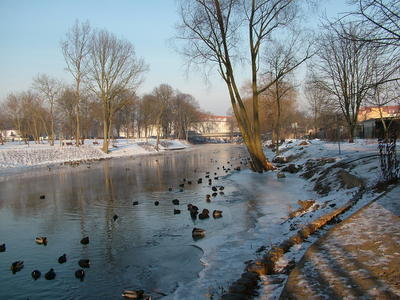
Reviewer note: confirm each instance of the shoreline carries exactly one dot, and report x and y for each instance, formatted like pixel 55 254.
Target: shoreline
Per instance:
pixel 265 277
pixel 95 157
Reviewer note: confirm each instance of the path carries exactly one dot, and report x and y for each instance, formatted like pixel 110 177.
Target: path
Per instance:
pixel 357 259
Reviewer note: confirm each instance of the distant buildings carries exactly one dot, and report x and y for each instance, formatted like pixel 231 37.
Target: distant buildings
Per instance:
pixel 214 128
pixel 373 119
pixel 10 135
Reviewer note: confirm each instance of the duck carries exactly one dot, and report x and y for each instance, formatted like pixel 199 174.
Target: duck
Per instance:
pixel 189 182
pixel 192 207
pixel 175 202
pixel 85 240
pixel 17 266
pixel 182 185
pixel 50 275
pixel 214 194
pixel 41 240
pixel 115 217
pixel 200 180
pixel 198 232
pixel 42 196
pixel 139 294
pixel 177 211
pixel 84 263
pixel 221 188
pixel 204 214
pixel 36 274
pixel 217 214
pixel 170 189
pixel 135 203
pixel 2 247
pixel 156 203
pixel 80 274
pixel 62 259
pixel 214 188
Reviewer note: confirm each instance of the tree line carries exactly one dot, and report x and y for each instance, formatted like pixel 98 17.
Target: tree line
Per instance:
pixel 352 61
pixel 102 99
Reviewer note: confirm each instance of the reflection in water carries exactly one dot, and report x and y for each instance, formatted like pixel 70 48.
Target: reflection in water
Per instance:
pixel 147 246
pixel 143 248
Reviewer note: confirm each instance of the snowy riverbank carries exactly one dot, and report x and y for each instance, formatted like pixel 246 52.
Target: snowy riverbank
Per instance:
pixel 334 181
pixel 20 155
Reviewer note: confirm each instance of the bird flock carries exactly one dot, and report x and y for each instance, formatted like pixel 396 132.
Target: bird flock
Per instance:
pixel 18 265
pixel 194 211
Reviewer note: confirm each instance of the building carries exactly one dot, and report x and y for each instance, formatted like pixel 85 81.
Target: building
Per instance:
pixel 10 135
pixel 212 128
pixel 373 119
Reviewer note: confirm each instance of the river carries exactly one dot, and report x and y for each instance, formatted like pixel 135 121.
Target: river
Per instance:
pixel 148 246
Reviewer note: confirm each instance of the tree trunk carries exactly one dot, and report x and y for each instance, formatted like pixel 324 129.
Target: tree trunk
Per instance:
pixel 78 99
pixel 351 133
pixel 52 124
pixel 105 128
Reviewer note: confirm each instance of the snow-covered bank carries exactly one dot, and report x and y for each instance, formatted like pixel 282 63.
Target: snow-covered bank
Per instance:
pixel 18 155
pixel 337 178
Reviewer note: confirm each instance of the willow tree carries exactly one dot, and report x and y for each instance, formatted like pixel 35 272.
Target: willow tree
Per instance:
pixel 213 31
pixel 113 70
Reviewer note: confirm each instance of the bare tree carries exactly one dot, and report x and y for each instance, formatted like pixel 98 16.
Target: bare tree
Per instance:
pixel 13 109
pixel 186 113
pixel 346 67
pixel 50 89
pixel 113 69
pixel 211 30
pixel 280 60
pixel 164 95
pixel 75 49
pixel 381 20
pixel 318 101
pixel 67 111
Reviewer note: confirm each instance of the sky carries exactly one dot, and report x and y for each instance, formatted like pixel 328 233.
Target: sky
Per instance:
pixel 31 32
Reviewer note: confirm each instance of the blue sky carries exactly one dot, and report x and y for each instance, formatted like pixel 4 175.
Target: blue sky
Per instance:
pixel 31 31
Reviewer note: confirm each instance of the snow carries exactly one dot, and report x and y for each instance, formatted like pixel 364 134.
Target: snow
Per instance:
pixel 19 155
pixel 361 162
pixel 225 253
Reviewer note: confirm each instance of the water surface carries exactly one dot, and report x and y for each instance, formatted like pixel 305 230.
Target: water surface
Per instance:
pixel 147 247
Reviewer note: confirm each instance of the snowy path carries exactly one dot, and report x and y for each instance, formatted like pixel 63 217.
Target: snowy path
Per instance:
pixel 358 259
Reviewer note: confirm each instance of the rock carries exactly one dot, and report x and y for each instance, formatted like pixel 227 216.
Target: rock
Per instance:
pixel 291 169
pixel 322 189
pixel 349 181
pixel 280 160
pixel 280 175
pixel 251 276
